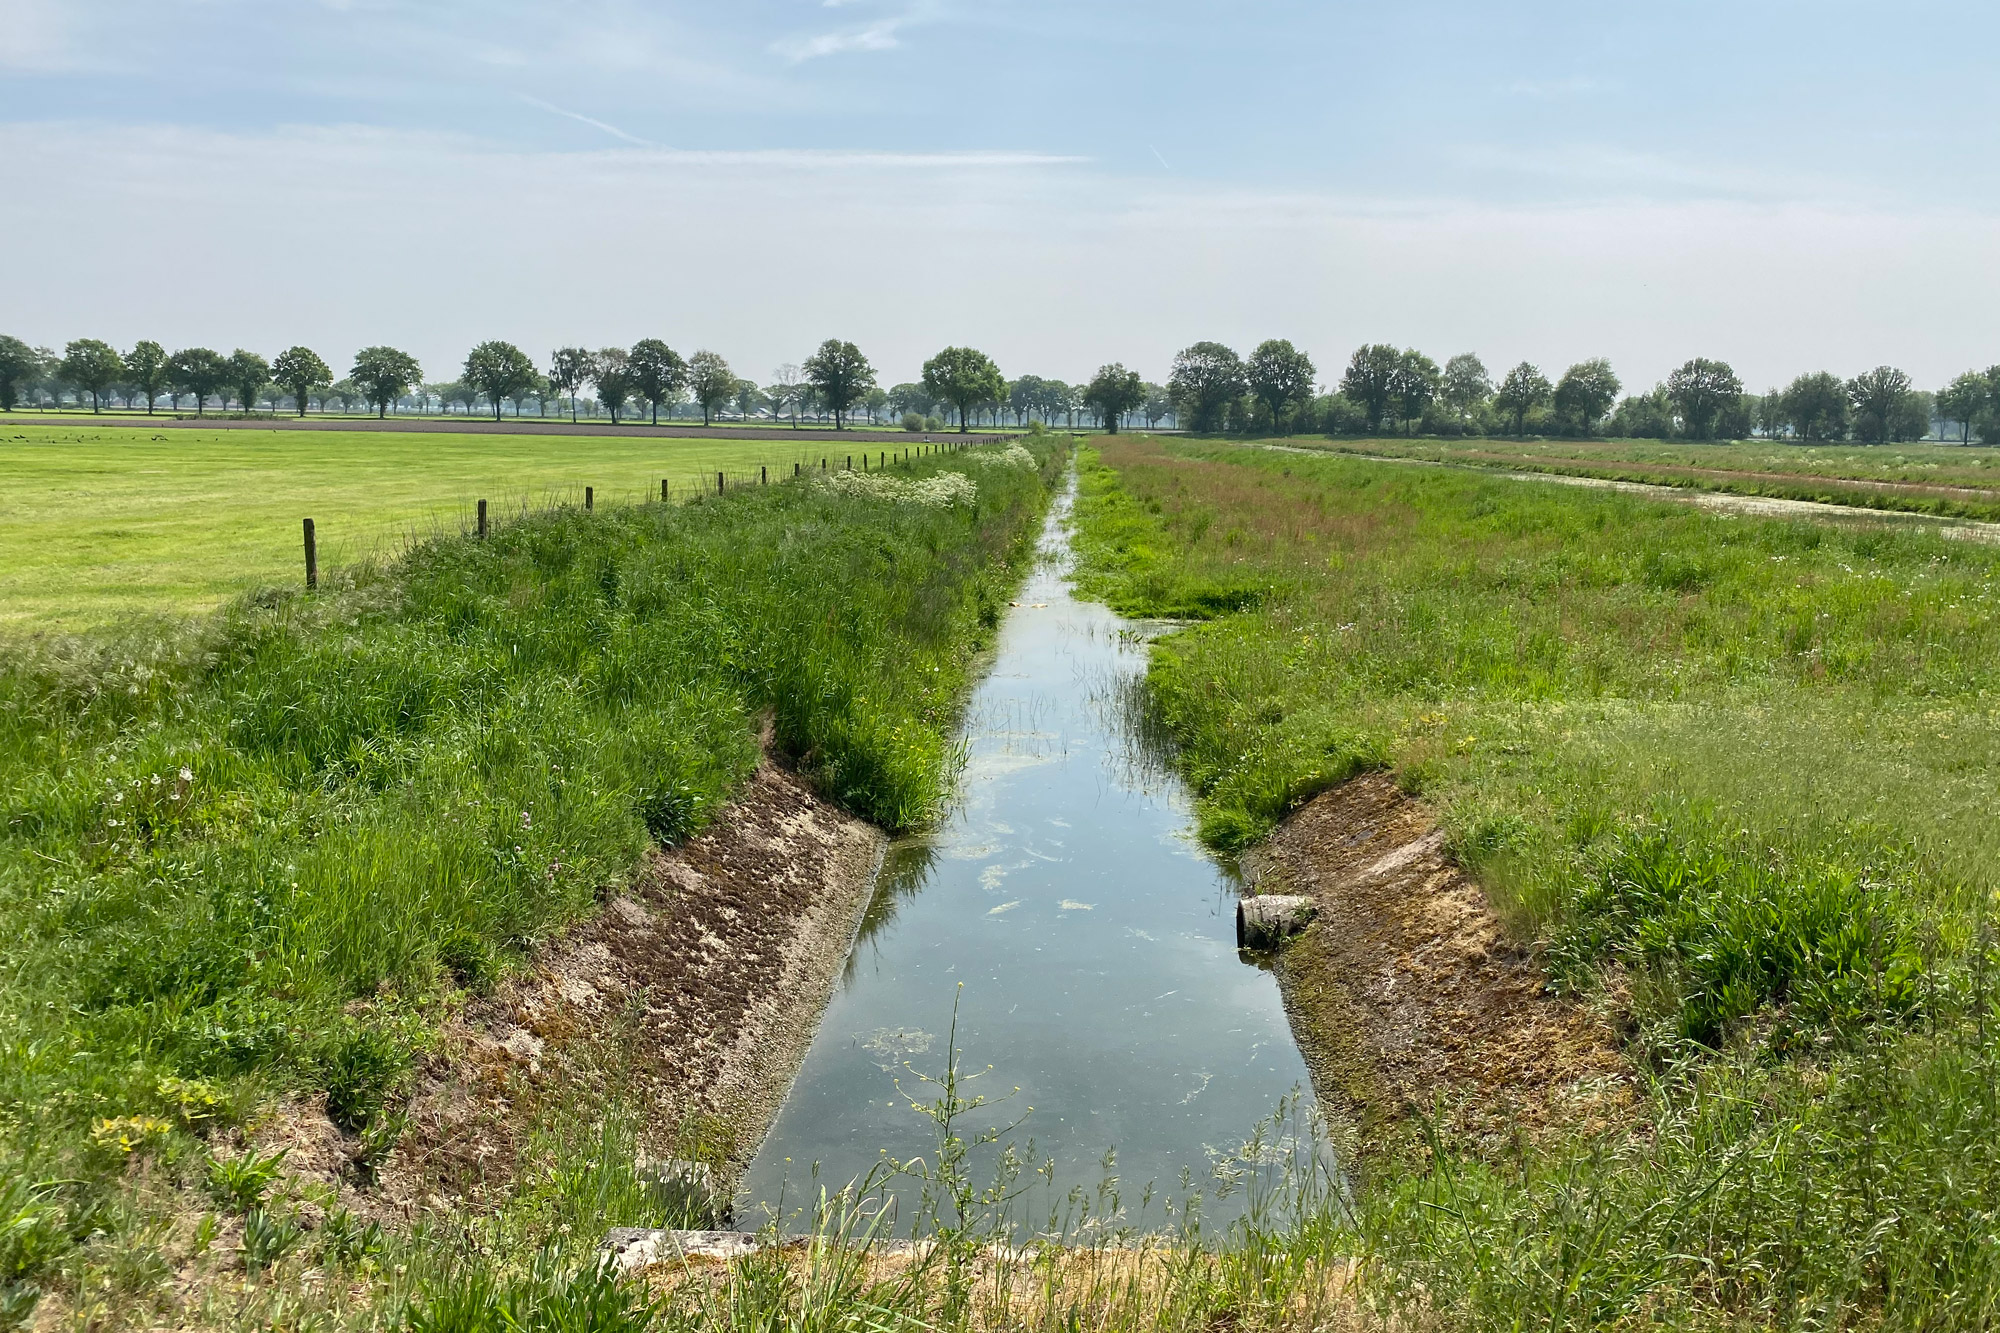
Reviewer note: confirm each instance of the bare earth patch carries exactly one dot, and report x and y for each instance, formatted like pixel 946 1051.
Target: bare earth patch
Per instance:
pixel 703 982
pixel 1405 993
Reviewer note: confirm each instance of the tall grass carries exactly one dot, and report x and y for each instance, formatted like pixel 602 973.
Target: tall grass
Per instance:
pixel 259 855
pixel 1733 776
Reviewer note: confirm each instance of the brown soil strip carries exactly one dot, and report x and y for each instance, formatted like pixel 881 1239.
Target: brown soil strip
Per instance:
pixel 1617 469
pixel 1406 996
pixel 506 426
pixel 691 996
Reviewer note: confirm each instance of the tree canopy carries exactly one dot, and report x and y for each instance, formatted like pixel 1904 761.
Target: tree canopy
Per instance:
pixel 1524 390
pixel 301 371
pixel 146 368
pixel 1282 377
pixel 1370 380
pixel 1814 407
pixel 1699 392
pixel 657 373
pixel 248 374
pixel 712 382
pixel 384 374
pixel 200 371
pixel 1880 399
pixel 569 370
pixel 499 370
pixel 92 366
pixel 966 378
pixel 1207 381
pixel 841 376
pixel 1113 392
pixel 1414 384
pixel 1585 393
pixel 611 372
pixel 18 363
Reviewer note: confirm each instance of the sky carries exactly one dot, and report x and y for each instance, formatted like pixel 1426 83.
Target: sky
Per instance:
pixel 1789 185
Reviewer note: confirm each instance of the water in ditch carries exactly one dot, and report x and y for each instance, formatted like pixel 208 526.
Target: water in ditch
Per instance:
pixel 1088 943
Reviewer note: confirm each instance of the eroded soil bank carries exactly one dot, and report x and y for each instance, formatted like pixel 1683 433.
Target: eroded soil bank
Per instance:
pixel 1405 994
pixel 690 998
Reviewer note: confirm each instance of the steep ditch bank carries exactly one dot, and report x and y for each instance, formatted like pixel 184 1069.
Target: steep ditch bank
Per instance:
pixel 708 975
pixel 1405 995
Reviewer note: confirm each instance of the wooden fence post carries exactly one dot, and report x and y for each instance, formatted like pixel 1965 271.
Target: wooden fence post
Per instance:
pixel 589 499
pixel 663 490
pixel 312 558
pixel 763 476
pixel 482 520
pixel 718 483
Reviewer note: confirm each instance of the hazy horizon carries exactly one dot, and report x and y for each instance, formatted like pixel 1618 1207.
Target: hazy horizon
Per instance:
pixel 1786 187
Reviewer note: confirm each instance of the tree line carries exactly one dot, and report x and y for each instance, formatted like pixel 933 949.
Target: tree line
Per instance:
pixel 836 384
pixel 1274 390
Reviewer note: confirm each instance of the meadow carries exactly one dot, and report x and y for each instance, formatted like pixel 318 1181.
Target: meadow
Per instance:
pixel 266 853
pixel 1947 480
pixel 1731 777
pixel 101 524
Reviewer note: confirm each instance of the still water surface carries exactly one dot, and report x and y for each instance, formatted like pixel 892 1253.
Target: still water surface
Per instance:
pixel 1093 940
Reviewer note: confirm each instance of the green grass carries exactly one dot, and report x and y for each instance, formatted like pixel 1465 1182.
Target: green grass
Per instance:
pixel 261 853
pixel 1732 776
pixel 1946 480
pixel 99 524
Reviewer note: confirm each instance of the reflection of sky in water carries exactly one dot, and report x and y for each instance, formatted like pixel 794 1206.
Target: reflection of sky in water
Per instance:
pixel 1095 944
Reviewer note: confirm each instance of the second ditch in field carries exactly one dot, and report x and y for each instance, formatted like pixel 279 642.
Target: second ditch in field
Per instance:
pixel 1094 939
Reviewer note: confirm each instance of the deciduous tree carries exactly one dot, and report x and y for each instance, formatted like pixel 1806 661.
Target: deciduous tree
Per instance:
pixel 1282 377
pixel 384 373
pixel 658 373
pixel 499 370
pixel 1466 387
pixel 1699 391
pixel 1113 392
pixel 1585 393
pixel 965 378
pixel 711 381
pixel 146 367
pixel 199 371
pixel 842 377
pixel 1370 380
pixel 1965 400
pixel 1414 385
pixel 1207 380
pixel 1524 390
pixel 1815 407
pixel 19 363
pixel 787 391
pixel 1879 398
pixel 611 372
pixel 301 371
pixel 569 370
pixel 248 374
pixel 92 366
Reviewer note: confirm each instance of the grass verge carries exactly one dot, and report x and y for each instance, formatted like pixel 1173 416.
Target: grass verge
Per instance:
pixel 1733 776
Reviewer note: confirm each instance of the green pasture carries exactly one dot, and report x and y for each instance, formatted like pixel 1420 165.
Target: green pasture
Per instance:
pixel 101 524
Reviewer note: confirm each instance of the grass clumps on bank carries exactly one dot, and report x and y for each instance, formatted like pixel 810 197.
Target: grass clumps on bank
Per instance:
pixel 257 858
pixel 1732 776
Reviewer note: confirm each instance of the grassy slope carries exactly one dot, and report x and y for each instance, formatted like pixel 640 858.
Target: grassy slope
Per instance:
pixel 261 853
pixel 1736 774
pixel 99 524
pixel 1887 477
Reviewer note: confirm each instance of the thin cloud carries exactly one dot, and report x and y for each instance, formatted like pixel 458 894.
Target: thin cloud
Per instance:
pixel 591 121
pixel 877 36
